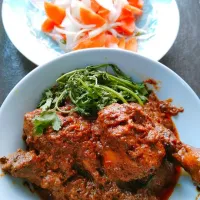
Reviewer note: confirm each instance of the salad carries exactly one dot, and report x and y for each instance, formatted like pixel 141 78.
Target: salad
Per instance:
pixel 80 24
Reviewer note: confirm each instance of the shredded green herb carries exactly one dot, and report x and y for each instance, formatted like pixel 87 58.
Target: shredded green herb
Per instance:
pixel 90 90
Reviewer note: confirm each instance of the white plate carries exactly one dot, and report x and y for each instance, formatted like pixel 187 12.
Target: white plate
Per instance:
pixel 22 21
pixel 26 94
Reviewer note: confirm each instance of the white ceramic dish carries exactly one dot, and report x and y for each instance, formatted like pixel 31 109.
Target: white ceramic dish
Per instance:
pixel 22 22
pixel 26 94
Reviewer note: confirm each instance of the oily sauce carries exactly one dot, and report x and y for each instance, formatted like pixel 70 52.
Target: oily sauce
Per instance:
pixel 44 194
pixel 153 107
pixel 167 192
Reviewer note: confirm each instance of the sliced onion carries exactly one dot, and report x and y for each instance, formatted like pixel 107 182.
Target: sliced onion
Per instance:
pixel 63 3
pixel 114 46
pixel 78 24
pixel 75 8
pixel 69 26
pixel 98 31
pixel 112 15
pixel 125 2
pixel 62 31
pixel 118 5
pixel 75 11
pixel 107 4
pixel 87 3
pixel 115 24
pixel 70 41
pixel 79 34
pixel 56 36
pixel 115 33
pixel 69 35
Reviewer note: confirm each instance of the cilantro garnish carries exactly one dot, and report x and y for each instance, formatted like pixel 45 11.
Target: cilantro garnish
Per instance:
pixel 44 120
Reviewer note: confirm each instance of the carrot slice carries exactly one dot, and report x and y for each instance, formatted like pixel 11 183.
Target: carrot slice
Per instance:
pixel 48 25
pixel 129 11
pixel 95 6
pixel 98 41
pixel 132 10
pixel 122 43
pixel 110 39
pixel 127 27
pixel 136 3
pixel 54 12
pixel 104 13
pixel 90 17
pixel 131 44
pixel 124 15
pixel 99 9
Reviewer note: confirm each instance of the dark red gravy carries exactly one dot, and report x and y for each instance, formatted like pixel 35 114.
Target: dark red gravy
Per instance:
pixel 166 191
pixel 165 194
pixel 152 82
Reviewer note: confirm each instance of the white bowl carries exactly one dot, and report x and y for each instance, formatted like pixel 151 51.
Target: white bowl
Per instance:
pixel 26 94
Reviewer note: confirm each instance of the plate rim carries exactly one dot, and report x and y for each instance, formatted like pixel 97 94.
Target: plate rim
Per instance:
pixel 31 58
pixel 177 30
pixel 3 16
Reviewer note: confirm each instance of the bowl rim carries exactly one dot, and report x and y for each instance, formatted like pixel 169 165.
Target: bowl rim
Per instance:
pixel 97 50
pixel 104 52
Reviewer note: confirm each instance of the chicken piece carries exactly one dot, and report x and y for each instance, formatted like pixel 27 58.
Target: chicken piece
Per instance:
pixel 74 130
pixel 134 144
pixel 165 177
pixel 83 189
pixel 36 168
pixel 189 158
pixel 88 160
pixel 127 154
pixel 25 165
pixel 76 138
